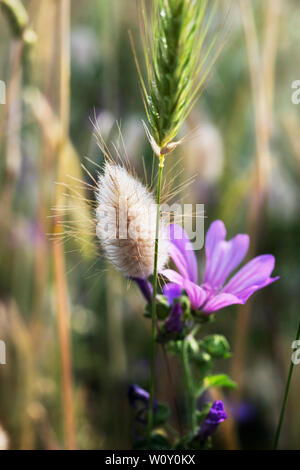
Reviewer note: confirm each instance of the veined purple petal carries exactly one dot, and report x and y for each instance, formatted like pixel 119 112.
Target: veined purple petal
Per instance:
pixel 253 276
pixel 172 291
pixel 173 276
pixel 217 302
pixel 196 294
pixel 231 254
pixel 223 256
pixel 215 234
pixel 182 253
pixel 246 293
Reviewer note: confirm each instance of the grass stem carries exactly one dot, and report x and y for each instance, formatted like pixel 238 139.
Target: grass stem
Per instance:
pixel 190 388
pixel 285 397
pixel 154 284
pixel 63 310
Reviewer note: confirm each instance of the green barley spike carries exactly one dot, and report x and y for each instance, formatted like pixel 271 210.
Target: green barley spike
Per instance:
pixel 178 57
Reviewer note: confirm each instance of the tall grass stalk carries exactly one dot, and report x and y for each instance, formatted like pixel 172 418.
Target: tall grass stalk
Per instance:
pixel 153 312
pixel 62 302
pixel 178 58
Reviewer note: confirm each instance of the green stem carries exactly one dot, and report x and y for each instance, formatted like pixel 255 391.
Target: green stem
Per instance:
pixel 190 387
pixel 286 392
pixel 154 284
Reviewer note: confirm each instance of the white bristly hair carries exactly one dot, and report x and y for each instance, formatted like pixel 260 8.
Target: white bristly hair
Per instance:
pixel 126 221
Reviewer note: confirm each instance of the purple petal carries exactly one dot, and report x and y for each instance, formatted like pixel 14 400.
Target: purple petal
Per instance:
pixel 217 302
pixel 182 253
pixel 215 234
pixel 173 276
pixel 174 323
pixel 222 256
pixel 137 394
pixel 253 276
pixel 172 291
pixel 196 294
pixel 145 287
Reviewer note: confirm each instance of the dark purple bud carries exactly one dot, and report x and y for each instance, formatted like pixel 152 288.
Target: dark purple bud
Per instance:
pixel 216 415
pixel 174 323
pixel 137 395
pixel 145 288
pixel 139 399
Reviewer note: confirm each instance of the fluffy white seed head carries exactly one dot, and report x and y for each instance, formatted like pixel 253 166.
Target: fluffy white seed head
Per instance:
pixel 126 221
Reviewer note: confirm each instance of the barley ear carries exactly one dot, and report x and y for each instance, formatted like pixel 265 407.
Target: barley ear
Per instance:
pixel 179 51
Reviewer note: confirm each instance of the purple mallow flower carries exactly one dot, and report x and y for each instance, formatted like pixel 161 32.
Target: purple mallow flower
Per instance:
pixel 222 258
pixel 216 415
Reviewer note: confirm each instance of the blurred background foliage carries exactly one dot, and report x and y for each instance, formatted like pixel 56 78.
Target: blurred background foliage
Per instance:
pixel 245 156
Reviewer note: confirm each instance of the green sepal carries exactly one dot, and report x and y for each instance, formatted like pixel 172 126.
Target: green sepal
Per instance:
pixel 164 337
pixel 201 415
pixel 185 305
pixel 162 414
pixel 216 346
pixel 202 318
pixel 162 307
pixel 202 358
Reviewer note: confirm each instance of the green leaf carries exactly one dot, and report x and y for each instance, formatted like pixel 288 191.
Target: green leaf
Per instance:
pixel 220 380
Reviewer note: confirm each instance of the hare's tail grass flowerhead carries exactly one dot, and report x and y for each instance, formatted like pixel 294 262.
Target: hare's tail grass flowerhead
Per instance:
pixel 179 51
pixel 126 222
